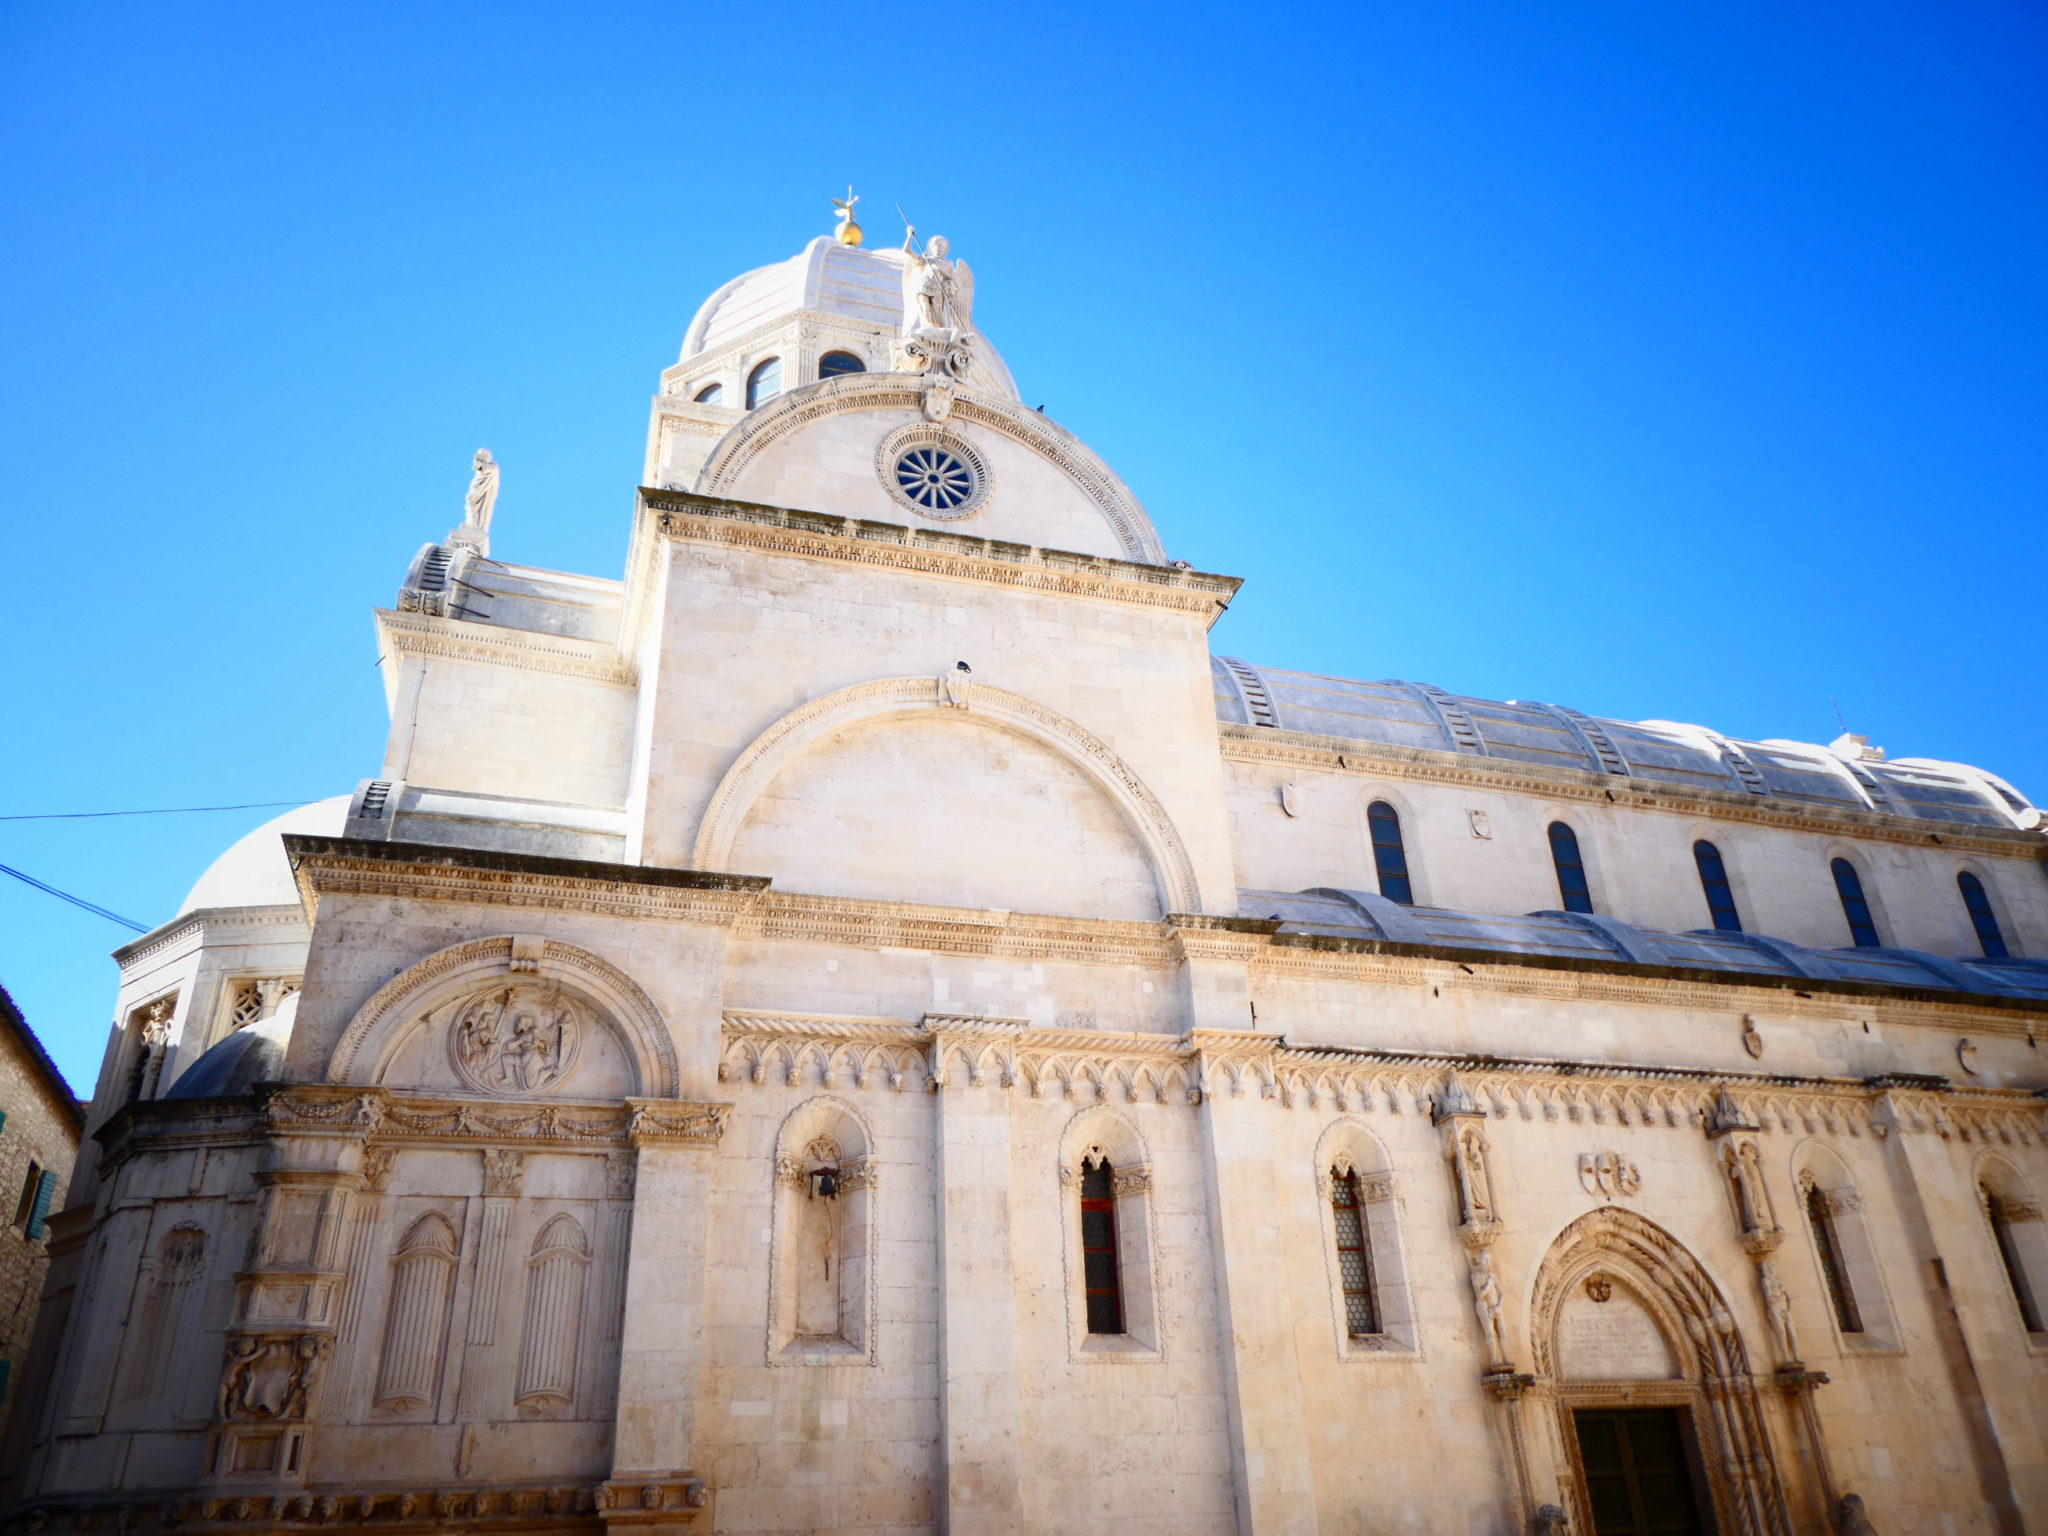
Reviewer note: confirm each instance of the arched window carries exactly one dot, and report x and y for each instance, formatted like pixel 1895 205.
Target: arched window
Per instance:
pixel 1354 1255
pixel 1827 1243
pixel 1714 881
pixel 764 383
pixel 2001 1214
pixel 1571 869
pixel 1978 901
pixel 711 394
pixel 832 364
pixel 1855 905
pixel 1389 858
pixel 1101 1265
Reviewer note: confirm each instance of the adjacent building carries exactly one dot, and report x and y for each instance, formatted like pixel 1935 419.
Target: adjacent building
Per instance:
pixel 40 1122
pixel 866 1023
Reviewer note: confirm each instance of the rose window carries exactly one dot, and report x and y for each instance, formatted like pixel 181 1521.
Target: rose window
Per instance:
pixel 935 478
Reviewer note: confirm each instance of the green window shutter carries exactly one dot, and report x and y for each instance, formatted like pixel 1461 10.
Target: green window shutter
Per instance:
pixel 3 1126
pixel 38 1225
pixel 6 1370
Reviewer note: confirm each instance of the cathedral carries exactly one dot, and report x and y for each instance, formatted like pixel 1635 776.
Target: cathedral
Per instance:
pixel 866 1024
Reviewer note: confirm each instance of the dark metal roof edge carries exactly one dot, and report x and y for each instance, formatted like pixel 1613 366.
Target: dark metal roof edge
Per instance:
pixel 1809 985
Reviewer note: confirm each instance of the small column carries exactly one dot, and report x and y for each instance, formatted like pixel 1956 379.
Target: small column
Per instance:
pixel 652 1487
pixel 980 1466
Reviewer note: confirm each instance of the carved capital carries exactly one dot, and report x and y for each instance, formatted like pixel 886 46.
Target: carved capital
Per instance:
pixel 270 1375
pixel 504 1169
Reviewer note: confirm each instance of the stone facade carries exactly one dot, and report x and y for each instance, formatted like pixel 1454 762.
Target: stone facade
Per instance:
pixel 866 1025
pixel 39 1128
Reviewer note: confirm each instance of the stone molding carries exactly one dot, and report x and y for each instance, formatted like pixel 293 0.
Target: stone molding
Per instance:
pixel 811 724
pixel 1381 760
pixel 189 927
pixel 418 634
pixel 387 1119
pixel 872 392
pixel 402 1004
pixel 938 552
pixel 795 1049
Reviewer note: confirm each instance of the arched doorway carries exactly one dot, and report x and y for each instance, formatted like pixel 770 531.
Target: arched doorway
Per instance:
pixel 1657 1428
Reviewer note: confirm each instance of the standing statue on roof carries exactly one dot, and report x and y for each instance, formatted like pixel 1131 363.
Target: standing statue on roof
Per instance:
pixel 938 293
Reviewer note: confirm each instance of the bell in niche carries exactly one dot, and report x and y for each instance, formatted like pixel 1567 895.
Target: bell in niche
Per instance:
pixel 828 1182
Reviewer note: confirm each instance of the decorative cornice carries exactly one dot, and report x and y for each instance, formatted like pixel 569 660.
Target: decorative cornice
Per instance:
pixel 419 634
pixel 797 1050
pixel 396 1119
pixel 430 872
pixel 1385 760
pixel 682 515
pixel 187 926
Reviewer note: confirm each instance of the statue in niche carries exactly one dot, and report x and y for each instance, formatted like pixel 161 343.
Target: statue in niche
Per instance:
pixel 1475 1182
pixel 514 1041
pixel 1778 1308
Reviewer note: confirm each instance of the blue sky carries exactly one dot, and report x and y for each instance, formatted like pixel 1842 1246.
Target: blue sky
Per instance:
pixel 1683 361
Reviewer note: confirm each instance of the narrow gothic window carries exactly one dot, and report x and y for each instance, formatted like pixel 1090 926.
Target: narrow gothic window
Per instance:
pixel 832 364
pixel 1982 918
pixel 1820 1215
pixel 1354 1256
pixel 1714 881
pixel 2009 1253
pixel 1855 905
pixel 1099 1259
pixel 711 394
pixel 1571 869
pixel 764 383
pixel 1389 858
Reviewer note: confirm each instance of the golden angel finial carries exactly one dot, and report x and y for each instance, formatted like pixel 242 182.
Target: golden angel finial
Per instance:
pixel 849 231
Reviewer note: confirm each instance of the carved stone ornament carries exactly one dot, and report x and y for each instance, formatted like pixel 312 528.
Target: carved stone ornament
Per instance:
pixel 933 471
pixel 271 1375
pixel 504 1167
pixel 1966 1056
pixel 1609 1174
pixel 514 1041
pixel 1752 1040
pixel 1599 1288
pixel 377 1163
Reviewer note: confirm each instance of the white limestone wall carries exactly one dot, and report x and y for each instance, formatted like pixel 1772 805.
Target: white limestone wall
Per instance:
pixel 749 637
pixel 502 730
pixel 1639 860
pixel 828 465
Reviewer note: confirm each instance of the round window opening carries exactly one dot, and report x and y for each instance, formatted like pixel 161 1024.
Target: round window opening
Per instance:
pixel 935 478
pixel 933 473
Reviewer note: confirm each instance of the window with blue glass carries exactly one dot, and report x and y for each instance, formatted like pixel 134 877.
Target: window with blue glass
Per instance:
pixel 764 383
pixel 832 364
pixel 711 394
pixel 1389 857
pixel 1714 881
pixel 1978 903
pixel 1855 905
pixel 1571 869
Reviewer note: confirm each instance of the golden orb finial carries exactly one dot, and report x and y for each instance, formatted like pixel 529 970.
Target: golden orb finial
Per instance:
pixel 849 231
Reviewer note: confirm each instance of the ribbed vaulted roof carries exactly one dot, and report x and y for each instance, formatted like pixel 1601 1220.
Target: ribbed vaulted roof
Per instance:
pixel 1368 915
pixel 1550 735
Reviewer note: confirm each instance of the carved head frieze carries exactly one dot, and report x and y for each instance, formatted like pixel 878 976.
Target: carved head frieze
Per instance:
pixel 512 1041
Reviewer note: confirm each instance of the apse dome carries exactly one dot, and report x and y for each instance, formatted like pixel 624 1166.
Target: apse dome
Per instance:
pixel 254 871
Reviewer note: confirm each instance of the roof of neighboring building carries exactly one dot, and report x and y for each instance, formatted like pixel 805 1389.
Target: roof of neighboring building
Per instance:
pixel 1368 915
pixel 13 1020
pixel 1550 735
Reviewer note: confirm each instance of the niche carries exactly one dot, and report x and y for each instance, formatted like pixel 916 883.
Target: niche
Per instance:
pixel 821 1290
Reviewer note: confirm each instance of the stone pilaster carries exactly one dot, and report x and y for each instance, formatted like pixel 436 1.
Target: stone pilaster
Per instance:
pixel 980 1467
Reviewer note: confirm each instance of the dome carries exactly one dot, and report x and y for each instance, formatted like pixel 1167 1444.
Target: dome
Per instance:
pixel 254 871
pixel 232 1067
pixel 857 284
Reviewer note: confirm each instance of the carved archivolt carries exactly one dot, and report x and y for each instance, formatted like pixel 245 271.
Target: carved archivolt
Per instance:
pixel 516 1010
pixel 742 445
pixel 800 730
pixel 1690 1311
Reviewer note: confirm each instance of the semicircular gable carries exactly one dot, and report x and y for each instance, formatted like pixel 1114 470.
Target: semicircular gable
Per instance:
pixel 510 1017
pixel 841 420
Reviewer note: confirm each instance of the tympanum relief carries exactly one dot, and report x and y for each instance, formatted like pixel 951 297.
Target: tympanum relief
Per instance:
pixel 513 1041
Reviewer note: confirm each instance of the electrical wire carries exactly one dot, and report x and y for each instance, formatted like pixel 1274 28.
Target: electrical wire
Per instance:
pixel 76 901
pixel 169 810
